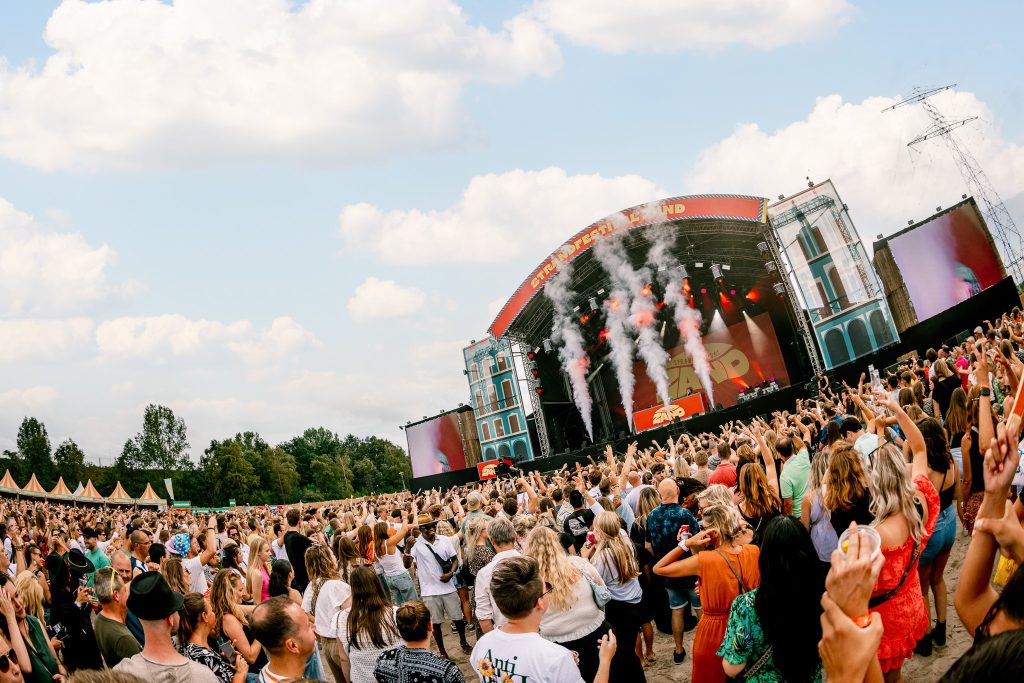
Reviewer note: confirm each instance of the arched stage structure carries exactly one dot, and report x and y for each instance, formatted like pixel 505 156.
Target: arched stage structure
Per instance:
pixel 752 334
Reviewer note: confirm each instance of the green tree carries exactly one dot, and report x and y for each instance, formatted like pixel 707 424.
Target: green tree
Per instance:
pixel 34 447
pixel 229 472
pixel 70 462
pixel 162 444
pixel 279 479
pixel 313 443
pixel 332 475
pixel 378 466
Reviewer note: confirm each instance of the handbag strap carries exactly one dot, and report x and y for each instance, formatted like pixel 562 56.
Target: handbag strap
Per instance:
pixel 440 563
pixel 759 664
pixel 738 575
pixel 316 594
pixel 887 595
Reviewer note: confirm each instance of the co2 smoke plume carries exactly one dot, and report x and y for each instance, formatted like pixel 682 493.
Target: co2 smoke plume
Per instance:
pixel 567 336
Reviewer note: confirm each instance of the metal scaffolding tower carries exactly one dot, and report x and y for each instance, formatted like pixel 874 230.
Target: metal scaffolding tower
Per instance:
pixel 978 184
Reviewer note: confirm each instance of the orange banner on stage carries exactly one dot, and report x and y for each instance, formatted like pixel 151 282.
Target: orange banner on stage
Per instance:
pixel 681 408
pixel 487 470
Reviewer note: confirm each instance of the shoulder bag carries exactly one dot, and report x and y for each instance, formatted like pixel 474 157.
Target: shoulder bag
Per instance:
pixel 445 565
pixel 600 591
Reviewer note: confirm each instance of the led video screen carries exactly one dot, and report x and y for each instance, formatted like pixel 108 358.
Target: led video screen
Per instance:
pixel 436 445
pixel 946 260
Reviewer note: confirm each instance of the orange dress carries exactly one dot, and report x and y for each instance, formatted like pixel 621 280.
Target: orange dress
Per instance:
pixel 718 588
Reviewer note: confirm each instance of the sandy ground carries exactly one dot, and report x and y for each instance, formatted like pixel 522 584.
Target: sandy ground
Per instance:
pixel 922 669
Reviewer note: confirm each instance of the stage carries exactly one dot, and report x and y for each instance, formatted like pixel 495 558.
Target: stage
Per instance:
pixel 988 305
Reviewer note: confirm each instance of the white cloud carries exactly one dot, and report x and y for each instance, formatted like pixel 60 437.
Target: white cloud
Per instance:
pixel 282 338
pixel 675 26
pixel 865 153
pixel 498 217
pixel 198 82
pixel 26 400
pixel 377 298
pixel 159 338
pixel 46 272
pixel 25 339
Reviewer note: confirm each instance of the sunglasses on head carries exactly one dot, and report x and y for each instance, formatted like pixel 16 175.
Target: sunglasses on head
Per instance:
pixel 7 659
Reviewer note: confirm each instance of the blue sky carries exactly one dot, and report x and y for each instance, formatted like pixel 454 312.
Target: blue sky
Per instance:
pixel 180 176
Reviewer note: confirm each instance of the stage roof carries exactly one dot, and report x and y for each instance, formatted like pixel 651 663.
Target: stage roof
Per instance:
pixel 722 229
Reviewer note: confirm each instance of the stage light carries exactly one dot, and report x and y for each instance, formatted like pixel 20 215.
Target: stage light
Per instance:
pixel 780 289
pixel 686 285
pixel 547 346
pixel 770 266
pixel 613 304
pixel 682 272
pixel 726 267
pixel 536 372
pixel 645 290
pixel 593 303
pixel 698 265
pixel 539 391
pixel 763 248
pixel 752 295
pixel 531 355
pixel 703 290
pixel 732 291
pixel 716 271
pixel 584 319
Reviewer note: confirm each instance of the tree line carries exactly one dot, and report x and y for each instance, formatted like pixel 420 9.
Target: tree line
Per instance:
pixel 316 465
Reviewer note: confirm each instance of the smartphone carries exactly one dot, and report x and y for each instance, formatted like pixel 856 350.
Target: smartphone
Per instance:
pixel 228 652
pixel 590 537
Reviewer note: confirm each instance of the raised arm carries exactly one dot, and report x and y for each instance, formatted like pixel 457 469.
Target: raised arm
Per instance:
pixel 918 449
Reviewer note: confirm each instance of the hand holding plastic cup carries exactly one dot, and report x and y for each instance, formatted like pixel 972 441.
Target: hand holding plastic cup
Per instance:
pixel 866 535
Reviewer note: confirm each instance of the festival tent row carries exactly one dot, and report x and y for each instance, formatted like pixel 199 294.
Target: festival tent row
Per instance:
pixel 86 493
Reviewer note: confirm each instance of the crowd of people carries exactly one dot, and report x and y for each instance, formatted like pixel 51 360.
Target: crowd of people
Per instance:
pixel 803 544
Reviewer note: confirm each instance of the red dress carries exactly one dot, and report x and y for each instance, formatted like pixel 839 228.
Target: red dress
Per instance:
pixel 904 615
pixel 718 588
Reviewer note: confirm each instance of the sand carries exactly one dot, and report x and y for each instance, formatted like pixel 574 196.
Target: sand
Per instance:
pixel 922 669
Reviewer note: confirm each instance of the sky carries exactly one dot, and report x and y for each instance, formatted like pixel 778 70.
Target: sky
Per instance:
pixel 274 215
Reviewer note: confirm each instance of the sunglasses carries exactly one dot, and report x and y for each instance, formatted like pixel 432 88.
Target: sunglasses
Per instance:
pixel 547 589
pixel 7 659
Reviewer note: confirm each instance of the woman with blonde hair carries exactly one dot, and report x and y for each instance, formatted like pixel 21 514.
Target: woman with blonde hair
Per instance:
pixel 615 560
pixel 258 576
pixel 325 596
pixel 905 505
pixel 956 426
pixel 573 618
pixel 31 593
pixel 176 575
pixel 716 494
pixel 727 567
pixel 226 600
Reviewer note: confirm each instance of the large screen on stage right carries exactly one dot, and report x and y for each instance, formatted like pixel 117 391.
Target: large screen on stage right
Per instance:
pixel 436 445
pixel 946 260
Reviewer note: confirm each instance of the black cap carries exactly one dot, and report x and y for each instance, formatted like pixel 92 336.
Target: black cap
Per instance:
pixel 151 599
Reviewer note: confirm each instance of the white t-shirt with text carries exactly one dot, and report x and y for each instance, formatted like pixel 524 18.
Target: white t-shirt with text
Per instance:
pixel 522 657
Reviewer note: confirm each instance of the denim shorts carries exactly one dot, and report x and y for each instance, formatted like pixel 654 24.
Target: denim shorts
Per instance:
pixel 943 536
pixel 679 597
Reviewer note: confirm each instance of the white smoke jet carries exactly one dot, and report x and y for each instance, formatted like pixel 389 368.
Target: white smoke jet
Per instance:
pixel 621 343
pixel 566 334
pixel 688 320
pixel 631 308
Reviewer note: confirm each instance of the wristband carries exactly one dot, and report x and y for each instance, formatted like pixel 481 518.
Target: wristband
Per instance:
pixel 682 545
pixel 862 621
